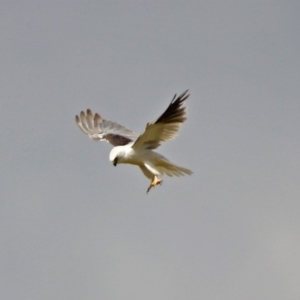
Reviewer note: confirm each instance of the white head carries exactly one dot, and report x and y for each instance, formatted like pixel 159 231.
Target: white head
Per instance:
pixel 116 154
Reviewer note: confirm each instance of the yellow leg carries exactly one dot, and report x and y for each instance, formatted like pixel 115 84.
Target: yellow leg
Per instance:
pixel 155 181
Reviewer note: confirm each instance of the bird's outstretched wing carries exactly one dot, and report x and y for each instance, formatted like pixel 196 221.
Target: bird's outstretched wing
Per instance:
pixel 103 130
pixel 165 127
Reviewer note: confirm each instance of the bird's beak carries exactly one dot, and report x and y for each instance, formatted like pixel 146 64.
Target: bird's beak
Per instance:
pixel 115 162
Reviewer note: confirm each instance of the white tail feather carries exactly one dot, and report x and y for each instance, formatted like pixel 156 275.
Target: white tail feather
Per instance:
pixel 163 166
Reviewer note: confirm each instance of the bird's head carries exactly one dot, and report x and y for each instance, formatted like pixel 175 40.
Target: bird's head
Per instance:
pixel 115 155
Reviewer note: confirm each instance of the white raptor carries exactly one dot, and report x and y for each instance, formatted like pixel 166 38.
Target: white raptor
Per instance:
pixel 135 149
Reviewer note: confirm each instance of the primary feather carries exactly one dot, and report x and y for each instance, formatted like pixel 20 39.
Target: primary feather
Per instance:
pixel 165 127
pixel 99 129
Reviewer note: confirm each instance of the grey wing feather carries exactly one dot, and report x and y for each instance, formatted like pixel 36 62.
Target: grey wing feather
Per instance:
pixel 166 126
pixel 103 130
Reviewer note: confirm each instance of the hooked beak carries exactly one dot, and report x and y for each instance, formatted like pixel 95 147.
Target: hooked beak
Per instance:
pixel 115 162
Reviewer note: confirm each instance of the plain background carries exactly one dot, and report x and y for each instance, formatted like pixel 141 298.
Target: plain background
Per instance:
pixel 74 227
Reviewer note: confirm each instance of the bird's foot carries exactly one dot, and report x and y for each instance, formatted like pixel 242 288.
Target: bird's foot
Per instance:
pixel 155 181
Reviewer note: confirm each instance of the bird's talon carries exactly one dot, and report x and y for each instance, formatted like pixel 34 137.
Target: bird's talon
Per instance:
pixel 153 183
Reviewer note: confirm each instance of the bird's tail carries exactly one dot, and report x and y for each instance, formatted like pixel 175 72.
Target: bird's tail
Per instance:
pixel 164 166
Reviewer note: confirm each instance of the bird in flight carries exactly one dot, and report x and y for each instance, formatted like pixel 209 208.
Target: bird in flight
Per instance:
pixel 135 149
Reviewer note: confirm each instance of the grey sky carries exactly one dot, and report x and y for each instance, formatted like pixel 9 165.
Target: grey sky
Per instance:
pixel 74 227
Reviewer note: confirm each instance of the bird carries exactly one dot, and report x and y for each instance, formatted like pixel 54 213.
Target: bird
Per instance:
pixel 137 149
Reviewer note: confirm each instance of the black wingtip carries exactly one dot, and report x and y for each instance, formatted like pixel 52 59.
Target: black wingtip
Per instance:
pixel 181 97
pixel 175 112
